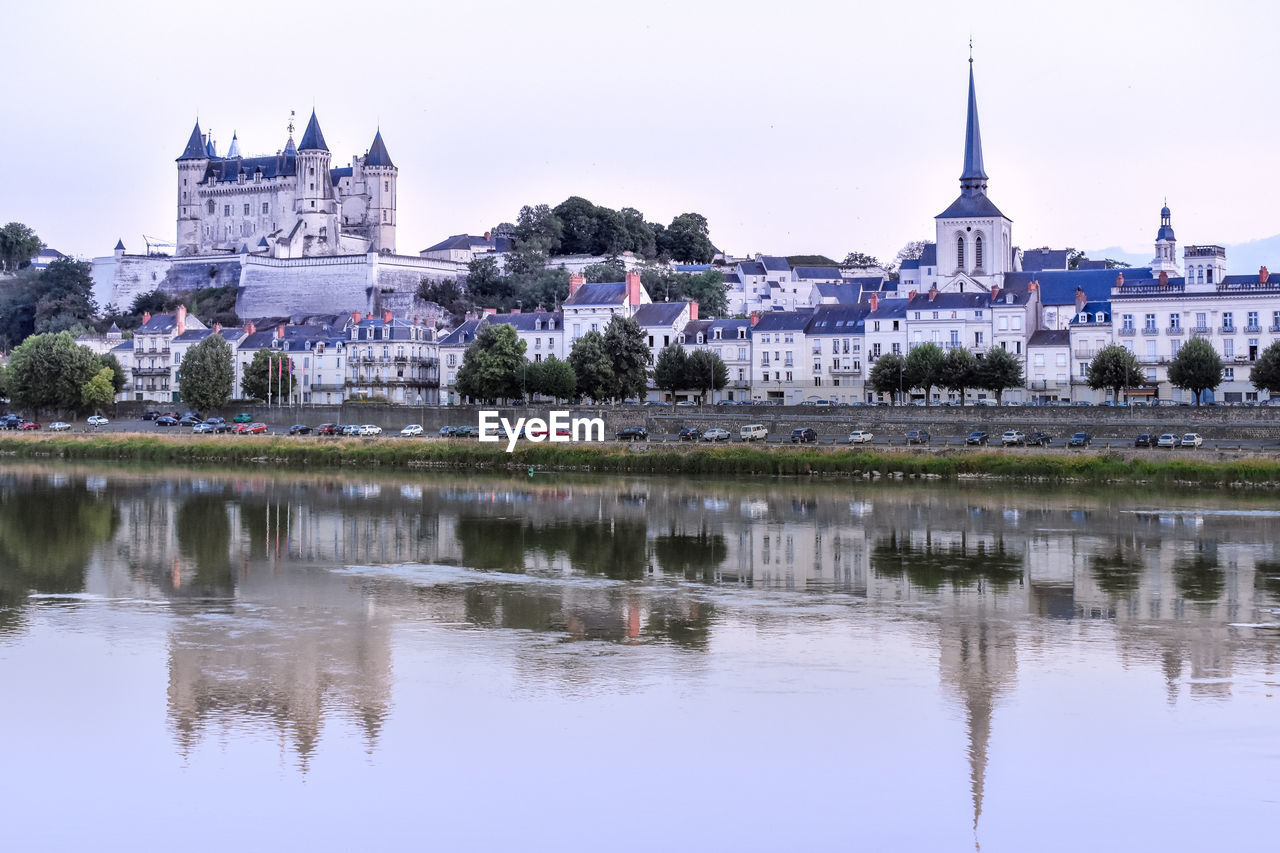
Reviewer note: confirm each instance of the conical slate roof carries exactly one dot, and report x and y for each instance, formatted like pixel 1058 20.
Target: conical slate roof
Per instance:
pixel 234 150
pixel 312 138
pixel 195 145
pixel 973 170
pixel 378 155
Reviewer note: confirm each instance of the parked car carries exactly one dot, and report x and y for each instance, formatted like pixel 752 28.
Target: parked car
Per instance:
pixel 370 429
pixel 1013 437
pixel 633 433
pixel 59 426
pixel 411 430
pixel 1039 439
pixel 349 429
pixel 299 429
pixel 189 420
pixel 466 432
pixel 686 403
pixel 917 436
pixel 716 434
pixel 219 425
pixel 243 418
pixel 754 432
pixel 10 421
pixel 195 415
pixel 1079 439
pixel 253 428
pixel 97 421
pixel 1191 439
pixel 166 421
pixel 978 436
pixel 690 434
pixel 200 429
pixel 804 435
pixel 150 415
pixel 860 436
pixel 1168 439
pixel 448 431
pixel 29 425
pixel 327 429
pixel 1144 439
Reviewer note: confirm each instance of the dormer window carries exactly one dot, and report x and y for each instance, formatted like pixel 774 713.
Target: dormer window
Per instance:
pixel 701 339
pixel 1008 298
pixel 1100 317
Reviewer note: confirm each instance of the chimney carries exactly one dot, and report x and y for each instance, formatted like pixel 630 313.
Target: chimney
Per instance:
pixel 250 329
pixel 911 295
pixel 1081 299
pixel 875 302
pixel 1119 279
pixel 217 328
pixel 633 289
pixel 1033 286
pixel 575 281
pixel 356 317
pixel 488 236
pixel 146 317
pixel 1263 275
pixel 180 323
pixel 933 292
pixel 491 311
pixel 386 316
pixel 1164 278
pixel 515 310
pixel 280 331
pixel 755 317
pixel 693 310
pixel 995 293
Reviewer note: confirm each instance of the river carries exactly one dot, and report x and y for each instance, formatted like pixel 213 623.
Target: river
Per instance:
pixel 348 660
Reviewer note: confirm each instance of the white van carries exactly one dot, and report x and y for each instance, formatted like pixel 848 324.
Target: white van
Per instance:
pixel 754 432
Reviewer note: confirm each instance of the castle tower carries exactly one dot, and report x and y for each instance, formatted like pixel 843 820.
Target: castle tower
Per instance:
pixel 192 164
pixel 317 207
pixel 974 237
pixel 380 174
pixel 1166 259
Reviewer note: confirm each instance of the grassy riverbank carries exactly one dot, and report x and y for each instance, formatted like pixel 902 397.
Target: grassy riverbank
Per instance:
pixel 1207 468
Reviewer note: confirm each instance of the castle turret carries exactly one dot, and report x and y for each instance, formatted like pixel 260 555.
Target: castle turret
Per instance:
pixel 317 207
pixel 192 165
pixel 380 175
pixel 1166 259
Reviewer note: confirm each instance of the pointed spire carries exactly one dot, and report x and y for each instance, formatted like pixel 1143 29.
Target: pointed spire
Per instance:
pixel 973 177
pixel 195 145
pixel 120 245
pixel 378 155
pixel 234 150
pixel 312 138
pixel 209 149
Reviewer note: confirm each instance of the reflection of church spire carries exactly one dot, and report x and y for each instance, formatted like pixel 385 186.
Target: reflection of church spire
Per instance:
pixel 978 720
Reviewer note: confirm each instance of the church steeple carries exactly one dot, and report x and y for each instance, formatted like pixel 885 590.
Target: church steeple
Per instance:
pixel 973 177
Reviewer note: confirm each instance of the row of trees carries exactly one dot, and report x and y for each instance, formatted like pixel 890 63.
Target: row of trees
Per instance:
pixel 1196 368
pixel 701 370
pixel 928 366
pixel 576 226
pixel 52 371
pixel 56 299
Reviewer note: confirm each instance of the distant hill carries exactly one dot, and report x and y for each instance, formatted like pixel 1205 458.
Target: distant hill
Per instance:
pixel 1242 258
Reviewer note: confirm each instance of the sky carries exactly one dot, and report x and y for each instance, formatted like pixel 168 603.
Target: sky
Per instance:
pixel 798 127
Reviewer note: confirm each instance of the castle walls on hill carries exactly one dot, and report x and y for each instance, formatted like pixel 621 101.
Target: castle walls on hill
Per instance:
pixel 130 276
pixel 271 287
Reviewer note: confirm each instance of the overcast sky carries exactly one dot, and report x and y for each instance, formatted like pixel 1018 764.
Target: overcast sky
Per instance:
pixel 793 127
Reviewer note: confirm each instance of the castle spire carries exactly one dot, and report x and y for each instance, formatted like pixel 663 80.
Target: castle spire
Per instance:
pixel 234 150
pixel 195 145
pixel 312 138
pixel 378 155
pixel 974 176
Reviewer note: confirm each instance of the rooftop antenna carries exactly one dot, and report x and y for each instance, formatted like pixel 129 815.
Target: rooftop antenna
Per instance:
pixel 970 48
pixel 291 123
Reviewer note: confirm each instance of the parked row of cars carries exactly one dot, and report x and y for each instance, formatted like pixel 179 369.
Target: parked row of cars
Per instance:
pixel 1169 440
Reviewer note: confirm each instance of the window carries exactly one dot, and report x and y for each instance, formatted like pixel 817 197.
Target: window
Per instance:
pixel 1126 322
pixel 917 315
pixel 1228 322
pixel 1229 348
pixel 1151 350
pixel 1151 374
pixel 977 339
pixel 977 315
pixel 1015 323
pixel 742 353
pixel 1174 346
pixel 1003 324
pixel 959 254
pixel 1228 374
pixel 1039 359
pixel 386 186
pixel 1275 321
pixel 1175 322
pixel 1208 276
pixel 266 208
pixel 1150 322
pixel 955 337
pixel 1252 321
pixel 977 252
pixel 246 210
pixel 211 207
pixel 226 210
pixel 875 350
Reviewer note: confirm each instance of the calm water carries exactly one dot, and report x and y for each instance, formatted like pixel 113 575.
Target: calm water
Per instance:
pixel 355 662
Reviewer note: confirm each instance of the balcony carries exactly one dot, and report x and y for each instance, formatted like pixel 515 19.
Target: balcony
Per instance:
pixel 328 386
pixel 1086 353
pixel 1126 331
pixel 1252 329
pixel 1150 330
pixel 1199 330
pixel 152 371
pixel 1275 328
pixel 1175 330
pixel 1228 330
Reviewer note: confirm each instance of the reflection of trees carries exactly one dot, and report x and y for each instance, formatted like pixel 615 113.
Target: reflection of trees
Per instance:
pixel 1267 578
pixel 616 549
pixel 931 566
pixel 47 536
pixel 1119 573
pixel 204 535
pixel 687 625
pixel 1198 576
pixel 692 556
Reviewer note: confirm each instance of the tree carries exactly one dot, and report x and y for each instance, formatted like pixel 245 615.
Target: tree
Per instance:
pixel 117 371
pixel 579 219
pixel 959 371
pixel 66 296
pixel 18 245
pixel 50 371
pixel 485 282
pixel 97 393
pixel 206 376
pixel 492 365
pixel 539 230
pixel 629 356
pixel 669 370
pixel 860 259
pixel 640 236
pixel 1114 367
pixel 923 368
pixel 998 371
pixel 705 371
pixel 611 270
pixel 687 239
pixel 592 366
pixel 556 379
pixel 268 377
pixel 1265 374
pixel 446 293
pixel 887 374
pixel 1196 368
pixel 1076 256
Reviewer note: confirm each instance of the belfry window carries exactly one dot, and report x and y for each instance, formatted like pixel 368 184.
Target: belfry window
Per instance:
pixel 977 252
pixel 959 253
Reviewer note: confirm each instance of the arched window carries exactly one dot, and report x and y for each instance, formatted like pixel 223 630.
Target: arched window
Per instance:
pixel 977 252
pixel 1199 275
pixel 1209 276
pixel 959 253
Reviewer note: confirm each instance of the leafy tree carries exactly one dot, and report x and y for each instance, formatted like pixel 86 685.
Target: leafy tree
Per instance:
pixel 206 376
pixel 492 365
pixel 998 371
pixel 556 379
pixel 545 287
pixel 629 356
pixel 959 371
pixel 923 368
pixel 578 217
pixel 446 293
pixel 1075 257
pixel 1114 367
pixel 18 296
pixel 1265 374
pixel 610 270
pixel 18 245
pixel 669 371
pixel 705 371
pixel 485 282
pixel 888 374
pixel 687 239
pixel 153 302
pixel 4 382
pixel 117 371
pixel 860 259
pixel 66 296
pixel 811 261
pixel 268 377
pixel 50 371
pixel 1196 368
pixel 592 366
pixel 708 289
pixel 97 393
pixel 640 235
pixel 539 230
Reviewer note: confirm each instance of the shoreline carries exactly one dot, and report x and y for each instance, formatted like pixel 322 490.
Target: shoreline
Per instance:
pixel 1234 469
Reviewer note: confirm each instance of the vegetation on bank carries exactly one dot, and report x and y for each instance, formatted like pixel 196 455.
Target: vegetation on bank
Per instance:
pixel 650 459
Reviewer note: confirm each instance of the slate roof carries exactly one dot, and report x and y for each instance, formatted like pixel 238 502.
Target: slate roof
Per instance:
pixel 336 175
pixel 692 268
pixel 1090 265
pixel 910 264
pixel 1034 260
pixel 461 336
pixel 1050 338
pixel 378 155
pixel 192 336
pixel 611 293
pixel 312 138
pixel 119 245
pixel 1092 309
pixel 732 278
pixel 973 170
pixel 528 321
pixel 890 309
pixel 693 327
pixel 195 145
pixel 296 337
pixel 659 313
pixel 751 268
pixel 1058 287
pixel 457 241
pixel 774 264
pixel 123 346
pixel 845 293
pixel 728 329
pixel 839 319
pixel 971 204
pixel 818 272
pixel 929 257
pixel 158 324
pixel 271 166
pixel 949 301
pixel 783 321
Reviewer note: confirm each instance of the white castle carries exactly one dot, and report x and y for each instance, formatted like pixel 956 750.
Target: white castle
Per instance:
pixel 290 204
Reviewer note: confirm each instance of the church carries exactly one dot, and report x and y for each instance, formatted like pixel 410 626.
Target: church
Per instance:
pixel 291 204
